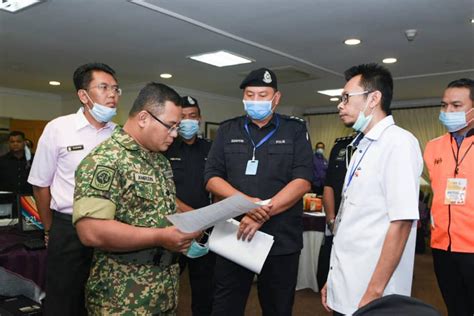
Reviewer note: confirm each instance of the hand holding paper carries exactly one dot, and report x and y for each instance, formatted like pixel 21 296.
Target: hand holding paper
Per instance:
pixel 261 214
pixel 247 228
pixel 208 216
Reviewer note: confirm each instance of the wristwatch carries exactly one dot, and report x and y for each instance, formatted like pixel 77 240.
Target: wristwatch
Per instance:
pixel 331 224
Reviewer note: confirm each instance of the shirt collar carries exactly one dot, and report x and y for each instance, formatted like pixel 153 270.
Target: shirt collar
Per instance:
pixel 81 121
pixel 270 123
pixel 376 131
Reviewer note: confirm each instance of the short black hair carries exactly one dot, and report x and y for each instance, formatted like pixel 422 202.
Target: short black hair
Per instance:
pixel 83 75
pixel 463 83
pixel 16 133
pixel 319 143
pixel 153 96
pixel 374 77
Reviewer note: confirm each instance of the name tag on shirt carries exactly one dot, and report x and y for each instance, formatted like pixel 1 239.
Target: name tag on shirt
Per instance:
pixel 455 191
pixel 75 148
pixel 252 166
pixel 144 178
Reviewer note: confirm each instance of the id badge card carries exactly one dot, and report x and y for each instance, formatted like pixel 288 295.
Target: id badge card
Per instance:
pixel 456 189
pixel 252 166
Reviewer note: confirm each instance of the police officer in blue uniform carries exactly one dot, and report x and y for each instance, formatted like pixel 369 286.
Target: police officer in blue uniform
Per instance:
pixel 188 155
pixel 336 172
pixel 262 155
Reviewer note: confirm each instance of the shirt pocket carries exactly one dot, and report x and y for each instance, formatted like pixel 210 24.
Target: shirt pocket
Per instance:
pixel 141 207
pixel 236 157
pixel 280 159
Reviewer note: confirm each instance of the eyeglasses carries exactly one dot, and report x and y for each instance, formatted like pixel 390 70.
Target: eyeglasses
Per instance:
pixel 344 98
pixel 171 128
pixel 104 88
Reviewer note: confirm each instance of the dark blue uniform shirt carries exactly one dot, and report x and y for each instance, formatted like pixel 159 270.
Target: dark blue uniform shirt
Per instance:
pixel 285 156
pixel 337 167
pixel 187 162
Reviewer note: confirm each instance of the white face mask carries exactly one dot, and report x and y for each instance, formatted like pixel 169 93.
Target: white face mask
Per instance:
pixel 101 113
pixel 363 121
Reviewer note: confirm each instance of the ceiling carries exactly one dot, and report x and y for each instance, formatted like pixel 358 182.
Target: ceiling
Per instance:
pixel 302 37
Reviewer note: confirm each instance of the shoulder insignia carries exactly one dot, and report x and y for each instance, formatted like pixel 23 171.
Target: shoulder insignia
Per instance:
pixel 296 118
pixel 344 138
pixel 103 177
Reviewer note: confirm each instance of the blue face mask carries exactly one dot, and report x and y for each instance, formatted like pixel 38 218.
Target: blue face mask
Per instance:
pixel 453 121
pixel 101 113
pixel 258 110
pixel 362 121
pixel 197 250
pixel 188 128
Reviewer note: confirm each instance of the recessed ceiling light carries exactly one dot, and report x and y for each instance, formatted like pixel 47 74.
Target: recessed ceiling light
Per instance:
pixel 389 60
pixel 14 6
pixel 166 76
pixel 331 92
pixel 472 21
pixel 221 59
pixel 334 99
pixel 55 83
pixel 352 41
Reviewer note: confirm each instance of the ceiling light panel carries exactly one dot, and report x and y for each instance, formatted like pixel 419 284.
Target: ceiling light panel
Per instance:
pixel 331 92
pixel 221 58
pixel 14 6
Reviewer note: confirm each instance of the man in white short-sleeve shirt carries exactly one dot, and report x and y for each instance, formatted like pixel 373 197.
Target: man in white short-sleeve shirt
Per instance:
pixel 65 141
pixel 374 244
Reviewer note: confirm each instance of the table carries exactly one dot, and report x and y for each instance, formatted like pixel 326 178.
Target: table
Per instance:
pixel 313 236
pixel 31 264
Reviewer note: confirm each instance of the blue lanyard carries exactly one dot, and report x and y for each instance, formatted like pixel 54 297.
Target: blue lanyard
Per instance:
pixel 354 168
pixel 263 140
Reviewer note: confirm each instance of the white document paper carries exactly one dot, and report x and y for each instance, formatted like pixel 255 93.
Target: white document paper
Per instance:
pixel 208 216
pixel 250 255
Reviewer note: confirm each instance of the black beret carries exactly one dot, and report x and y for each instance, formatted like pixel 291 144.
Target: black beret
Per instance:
pixel 188 101
pixel 262 77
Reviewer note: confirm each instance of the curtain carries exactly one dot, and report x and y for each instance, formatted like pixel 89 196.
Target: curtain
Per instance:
pixel 423 123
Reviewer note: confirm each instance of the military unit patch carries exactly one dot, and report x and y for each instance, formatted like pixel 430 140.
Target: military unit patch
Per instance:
pixel 103 177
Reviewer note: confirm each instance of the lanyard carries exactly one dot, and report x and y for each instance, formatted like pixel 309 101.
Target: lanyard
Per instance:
pixel 263 140
pixel 354 168
pixel 456 156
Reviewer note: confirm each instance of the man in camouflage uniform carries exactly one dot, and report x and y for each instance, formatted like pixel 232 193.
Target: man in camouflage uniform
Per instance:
pixel 124 190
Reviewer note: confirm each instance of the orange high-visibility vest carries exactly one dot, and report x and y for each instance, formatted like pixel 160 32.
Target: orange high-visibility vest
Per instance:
pixel 452 225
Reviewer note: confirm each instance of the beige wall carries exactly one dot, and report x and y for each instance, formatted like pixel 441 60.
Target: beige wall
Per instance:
pixel 29 105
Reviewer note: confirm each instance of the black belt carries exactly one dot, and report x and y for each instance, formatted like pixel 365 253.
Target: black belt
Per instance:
pixel 155 256
pixel 63 216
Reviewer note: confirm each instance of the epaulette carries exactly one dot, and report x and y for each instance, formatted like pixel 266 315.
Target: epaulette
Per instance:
pixel 294 118
pixel 340 139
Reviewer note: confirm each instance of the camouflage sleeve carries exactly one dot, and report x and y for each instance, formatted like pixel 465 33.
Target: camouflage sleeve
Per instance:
pixel 97 188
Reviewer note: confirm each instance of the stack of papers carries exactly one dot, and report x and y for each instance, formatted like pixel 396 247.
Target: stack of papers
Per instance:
pixel 249 254
pixel 223 240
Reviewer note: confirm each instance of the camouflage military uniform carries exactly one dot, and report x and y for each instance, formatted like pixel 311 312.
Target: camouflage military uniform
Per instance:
pixel 122 181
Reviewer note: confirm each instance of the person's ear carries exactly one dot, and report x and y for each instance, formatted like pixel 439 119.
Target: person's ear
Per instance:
pixel 82 95
pixel 375 98
pixel 143 118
